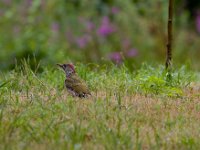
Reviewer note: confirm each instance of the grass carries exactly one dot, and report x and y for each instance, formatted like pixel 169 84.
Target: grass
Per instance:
pixel 144 109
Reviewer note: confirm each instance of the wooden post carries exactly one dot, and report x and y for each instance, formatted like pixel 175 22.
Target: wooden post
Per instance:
pixel 170 35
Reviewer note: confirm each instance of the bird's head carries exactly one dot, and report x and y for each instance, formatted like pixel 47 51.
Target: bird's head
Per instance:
pixel 68 68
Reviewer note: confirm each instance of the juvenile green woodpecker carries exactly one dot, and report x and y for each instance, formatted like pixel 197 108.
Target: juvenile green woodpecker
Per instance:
pixel 74 84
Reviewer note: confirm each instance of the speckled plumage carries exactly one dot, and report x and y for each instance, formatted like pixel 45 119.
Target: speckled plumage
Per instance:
pixel 75 85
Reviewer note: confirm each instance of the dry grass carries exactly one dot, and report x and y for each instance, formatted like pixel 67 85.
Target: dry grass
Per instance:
pixel 37 113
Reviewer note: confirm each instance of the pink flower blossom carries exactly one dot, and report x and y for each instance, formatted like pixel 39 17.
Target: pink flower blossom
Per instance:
pixel 198 22
pixel 83 41
pixel 116 57
pixel 90 26
pixel 106 28
pixel 1 12
pixel 115 10
pixel 131 53
pixel 55 27
pixel 126 43
pixel 7 2
pixel 16 30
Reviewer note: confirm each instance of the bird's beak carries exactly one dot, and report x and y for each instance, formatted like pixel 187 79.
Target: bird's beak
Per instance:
pixel 61 66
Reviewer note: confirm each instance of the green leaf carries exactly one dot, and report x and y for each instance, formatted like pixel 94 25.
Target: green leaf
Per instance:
pixel 3 84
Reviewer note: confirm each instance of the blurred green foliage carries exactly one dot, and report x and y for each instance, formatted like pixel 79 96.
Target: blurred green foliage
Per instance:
pixel 99 31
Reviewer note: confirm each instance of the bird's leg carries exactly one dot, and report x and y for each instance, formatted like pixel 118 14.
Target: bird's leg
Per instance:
pixel 72 92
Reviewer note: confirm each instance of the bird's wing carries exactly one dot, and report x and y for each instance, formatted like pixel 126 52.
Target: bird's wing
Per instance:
pixel 77 85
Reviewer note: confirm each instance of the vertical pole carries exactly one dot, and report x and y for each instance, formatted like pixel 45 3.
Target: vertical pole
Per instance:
pixel 170 35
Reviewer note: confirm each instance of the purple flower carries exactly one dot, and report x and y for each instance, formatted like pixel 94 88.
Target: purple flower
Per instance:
pixel 43 3
pixel 115 10
pixel 7 2
pixel 28 2
pixel 83 41
pixel 70 36
pixel 55 27
pixel 198 21
pixel 126 43
pixel 1 12
pixel 131 53
pixel 90 25
pixel 116 57
pixel 106 28
pixel 16 30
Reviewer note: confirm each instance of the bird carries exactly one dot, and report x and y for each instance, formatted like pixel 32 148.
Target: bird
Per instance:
pixel 74 84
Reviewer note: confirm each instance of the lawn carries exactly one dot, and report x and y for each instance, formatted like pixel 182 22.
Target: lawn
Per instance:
pixel 142 109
